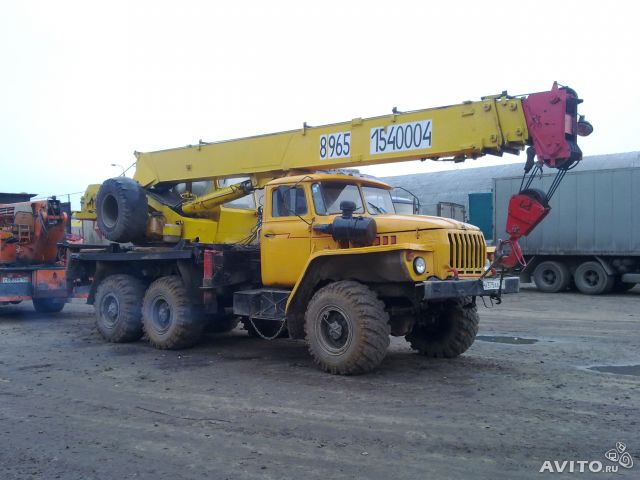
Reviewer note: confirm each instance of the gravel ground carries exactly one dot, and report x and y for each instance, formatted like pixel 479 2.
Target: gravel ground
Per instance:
pixel 74 407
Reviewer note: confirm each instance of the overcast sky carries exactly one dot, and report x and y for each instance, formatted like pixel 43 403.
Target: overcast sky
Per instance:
pixel 84 83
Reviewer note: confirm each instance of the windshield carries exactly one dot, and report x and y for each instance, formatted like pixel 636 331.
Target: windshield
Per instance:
pixel 327 197
pixel 378 200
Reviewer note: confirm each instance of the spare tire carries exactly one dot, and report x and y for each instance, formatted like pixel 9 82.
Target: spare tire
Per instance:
pixel 122 211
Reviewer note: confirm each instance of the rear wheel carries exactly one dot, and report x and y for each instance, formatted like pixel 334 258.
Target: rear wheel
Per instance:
pixel 551 277
pixel 592 279
pixel 347 328
pixel 169 317
pixel 117 306
pixel 446 330
pixel 48 305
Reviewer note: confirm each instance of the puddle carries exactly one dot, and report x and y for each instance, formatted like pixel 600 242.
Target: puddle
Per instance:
pixel 618 369
pixel 509 340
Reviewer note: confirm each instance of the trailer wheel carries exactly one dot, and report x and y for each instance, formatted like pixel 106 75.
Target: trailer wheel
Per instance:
pixel 551 277
pixel 347 328
pixel 446 330
pixel 48 305
pixel 118 306
pixel 169 317
pixel 592 279
pixel 122 211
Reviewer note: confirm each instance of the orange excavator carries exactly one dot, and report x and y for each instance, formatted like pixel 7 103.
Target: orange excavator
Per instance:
pixel 29 265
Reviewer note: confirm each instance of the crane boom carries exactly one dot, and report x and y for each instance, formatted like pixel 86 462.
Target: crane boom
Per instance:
pixel 493 125
pixel 547 122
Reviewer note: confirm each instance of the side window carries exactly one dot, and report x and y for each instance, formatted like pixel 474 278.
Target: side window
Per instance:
pixel 318 200
pixel 288 202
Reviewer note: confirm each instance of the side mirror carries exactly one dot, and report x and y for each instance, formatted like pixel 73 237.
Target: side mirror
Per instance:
pixel 347 207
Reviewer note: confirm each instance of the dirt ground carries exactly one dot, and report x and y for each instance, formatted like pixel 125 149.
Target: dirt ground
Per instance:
pixel 74 407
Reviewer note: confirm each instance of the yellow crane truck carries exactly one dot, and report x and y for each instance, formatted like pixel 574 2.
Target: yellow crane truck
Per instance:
pixel 269 230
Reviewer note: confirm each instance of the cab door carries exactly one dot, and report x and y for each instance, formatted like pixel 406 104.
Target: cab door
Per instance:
pixel 285 240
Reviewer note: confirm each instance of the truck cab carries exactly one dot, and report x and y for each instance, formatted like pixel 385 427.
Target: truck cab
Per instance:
pixel 299 212
pixel 344 271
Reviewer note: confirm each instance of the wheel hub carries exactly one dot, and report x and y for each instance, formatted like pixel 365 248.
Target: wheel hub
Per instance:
pixel 161 315
pixel 334 330
pixel 110 309
pixel 591 278
pixel 549 277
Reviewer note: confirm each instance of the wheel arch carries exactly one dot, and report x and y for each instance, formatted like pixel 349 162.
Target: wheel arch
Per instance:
pixel 605 264
pixel 103 270
pixel 334 265
pixel 145 270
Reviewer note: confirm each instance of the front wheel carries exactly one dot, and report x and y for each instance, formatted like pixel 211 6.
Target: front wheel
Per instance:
pixel 446 330
pixel 170 319
pixel 347 328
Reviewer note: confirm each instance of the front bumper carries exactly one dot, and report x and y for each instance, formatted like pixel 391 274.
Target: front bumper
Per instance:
pixel 440 289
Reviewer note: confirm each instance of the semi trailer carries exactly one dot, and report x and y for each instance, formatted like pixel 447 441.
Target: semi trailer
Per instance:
pixel 591 238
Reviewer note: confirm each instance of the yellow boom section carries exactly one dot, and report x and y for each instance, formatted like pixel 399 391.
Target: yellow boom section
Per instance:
pixel 468 130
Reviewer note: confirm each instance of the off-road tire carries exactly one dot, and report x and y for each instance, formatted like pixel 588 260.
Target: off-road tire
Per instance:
pixel 118 308
pixel 121 209
pixel 48 305
pixel 169 317
pixel 592 279
pixel 551 277
pixel 359 313
pixel 446 330
pixel 268 328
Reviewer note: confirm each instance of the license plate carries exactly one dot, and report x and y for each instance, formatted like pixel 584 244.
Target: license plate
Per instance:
pixel 15 279
pixel 491 284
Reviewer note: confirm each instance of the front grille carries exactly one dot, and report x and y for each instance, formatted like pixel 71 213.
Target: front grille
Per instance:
pixel 467 252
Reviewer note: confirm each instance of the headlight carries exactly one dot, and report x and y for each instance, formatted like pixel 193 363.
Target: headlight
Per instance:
pixel 419 265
